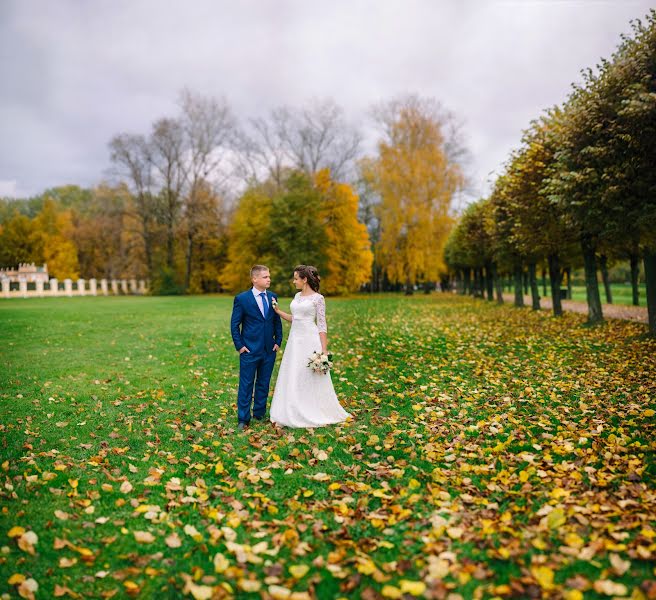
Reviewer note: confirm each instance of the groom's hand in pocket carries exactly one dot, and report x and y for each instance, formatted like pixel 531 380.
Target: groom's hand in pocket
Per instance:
pixel 276 347
pixel 244 349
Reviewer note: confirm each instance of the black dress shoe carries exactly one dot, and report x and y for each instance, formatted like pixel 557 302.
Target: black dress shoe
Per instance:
pixel 241 425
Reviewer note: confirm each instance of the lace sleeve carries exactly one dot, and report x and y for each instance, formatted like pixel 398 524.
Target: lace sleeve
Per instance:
pixel 321 314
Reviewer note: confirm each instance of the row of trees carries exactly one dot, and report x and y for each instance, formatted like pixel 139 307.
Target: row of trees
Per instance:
pixel 202 197
pixel 580 190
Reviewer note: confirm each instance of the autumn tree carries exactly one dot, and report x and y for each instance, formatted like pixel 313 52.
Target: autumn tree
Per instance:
pixel 416 182
pixel 296 232
pixel 248 240
pixel 55 246
pixel 348 254
pixel 19 242
pixel 304 221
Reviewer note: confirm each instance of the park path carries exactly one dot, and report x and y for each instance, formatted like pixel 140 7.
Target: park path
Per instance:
pixel 610 311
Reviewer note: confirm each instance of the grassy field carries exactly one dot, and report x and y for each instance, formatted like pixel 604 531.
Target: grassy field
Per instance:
pixel 494 452
pixel 622 293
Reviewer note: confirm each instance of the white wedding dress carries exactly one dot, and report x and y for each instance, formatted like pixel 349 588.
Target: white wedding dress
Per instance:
pixel 303 398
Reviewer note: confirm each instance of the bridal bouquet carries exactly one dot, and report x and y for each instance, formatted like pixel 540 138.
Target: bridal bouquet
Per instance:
pixel 321 363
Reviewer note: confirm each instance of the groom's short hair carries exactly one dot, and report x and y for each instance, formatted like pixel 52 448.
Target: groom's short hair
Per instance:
pixel 257 269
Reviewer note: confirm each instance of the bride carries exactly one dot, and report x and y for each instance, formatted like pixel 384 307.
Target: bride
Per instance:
pixel 302 397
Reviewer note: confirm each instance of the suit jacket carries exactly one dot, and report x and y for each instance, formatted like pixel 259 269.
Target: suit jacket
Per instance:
pixel 249 328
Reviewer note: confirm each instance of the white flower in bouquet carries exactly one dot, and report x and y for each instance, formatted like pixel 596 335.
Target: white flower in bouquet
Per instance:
pixel 274 302
pixel 321 362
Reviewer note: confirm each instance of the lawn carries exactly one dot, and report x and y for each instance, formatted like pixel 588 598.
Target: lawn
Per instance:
pixel 622 293
pixel 494 452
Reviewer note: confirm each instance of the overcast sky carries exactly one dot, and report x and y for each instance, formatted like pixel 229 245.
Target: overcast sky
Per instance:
pixel 73 72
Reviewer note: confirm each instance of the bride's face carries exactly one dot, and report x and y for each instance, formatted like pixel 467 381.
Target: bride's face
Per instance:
pixel 298 281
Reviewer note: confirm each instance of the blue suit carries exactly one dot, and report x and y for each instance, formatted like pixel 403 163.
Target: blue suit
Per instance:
pixel 259 334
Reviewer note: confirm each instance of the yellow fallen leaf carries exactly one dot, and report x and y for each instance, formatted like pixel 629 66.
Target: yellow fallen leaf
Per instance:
pixel 16 531
pixel 619 566
pixel 27 541
pixel 389 591
pixel 366 566
pixel 191 531
pixel 414 588
pixel 573 595
pixel 610 588
pixel 556 518
pixel 144 537
pixel 299 571
pixel 249 585
pixel 278 592
pixel 544 576
pixel 27 588
pixel 650 412
pixel 130 587
pixel 199 592
pixel 16 578
pixel 220 563
pixel 65 562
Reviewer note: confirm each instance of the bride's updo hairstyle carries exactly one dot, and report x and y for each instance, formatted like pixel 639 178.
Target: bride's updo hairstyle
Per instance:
pixel 310 273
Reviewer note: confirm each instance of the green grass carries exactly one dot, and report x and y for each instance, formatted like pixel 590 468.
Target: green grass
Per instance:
pixel 471 422
pixel 622 293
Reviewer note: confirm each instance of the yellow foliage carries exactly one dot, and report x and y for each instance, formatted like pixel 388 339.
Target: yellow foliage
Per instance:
pixel 348 253
pixel 55 232
pixel 416 182
pixel 247 239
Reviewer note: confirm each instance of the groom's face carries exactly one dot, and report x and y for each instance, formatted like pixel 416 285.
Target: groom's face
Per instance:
pixel 262 280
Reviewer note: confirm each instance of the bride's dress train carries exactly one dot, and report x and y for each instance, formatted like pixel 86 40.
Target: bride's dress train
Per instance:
pixel 303 398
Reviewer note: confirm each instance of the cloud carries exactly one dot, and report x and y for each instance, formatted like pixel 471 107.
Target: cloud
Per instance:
pixel 74 74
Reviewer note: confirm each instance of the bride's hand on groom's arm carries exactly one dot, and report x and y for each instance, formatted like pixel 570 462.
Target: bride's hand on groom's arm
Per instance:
pixel 243 349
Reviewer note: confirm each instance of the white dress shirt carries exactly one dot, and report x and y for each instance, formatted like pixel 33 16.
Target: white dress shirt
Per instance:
pixel 258 299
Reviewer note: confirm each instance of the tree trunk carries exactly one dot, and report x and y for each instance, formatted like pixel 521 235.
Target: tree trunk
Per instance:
pixel 554 276
pixel 603 264
pixel 498 284
pixel 489 280
pixel 190 249
pixel 595 314
pixel 525 278
pixel 533 282
pixel 544 281
pixel 409 289
pixel 476 283
pixel 467 287
pixel 635 286
pixel 649 260
pixel 568 272
pixel 519 288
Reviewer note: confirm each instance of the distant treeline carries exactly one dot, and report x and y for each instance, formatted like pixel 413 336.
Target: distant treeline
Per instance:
pixel 198 200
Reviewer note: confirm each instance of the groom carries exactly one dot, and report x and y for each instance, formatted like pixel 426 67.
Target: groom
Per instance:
pixel 257 334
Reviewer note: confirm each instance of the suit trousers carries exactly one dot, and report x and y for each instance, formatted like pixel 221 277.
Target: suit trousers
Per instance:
pixel 254 376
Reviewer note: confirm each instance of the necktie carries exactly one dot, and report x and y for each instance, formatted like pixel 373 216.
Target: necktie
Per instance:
pixel 265 305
